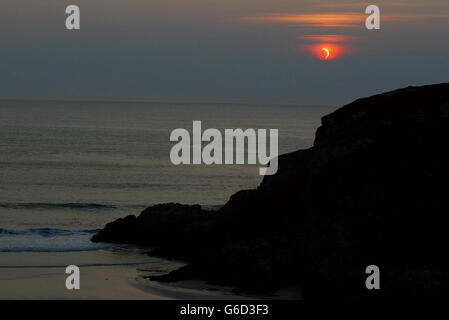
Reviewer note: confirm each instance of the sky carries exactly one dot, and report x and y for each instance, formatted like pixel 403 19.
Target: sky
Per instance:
pixel 235 51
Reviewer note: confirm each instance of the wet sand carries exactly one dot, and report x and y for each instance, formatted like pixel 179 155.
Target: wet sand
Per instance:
pixel 104 274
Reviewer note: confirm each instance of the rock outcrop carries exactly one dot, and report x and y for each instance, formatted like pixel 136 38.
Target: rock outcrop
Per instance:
pixel 371 191
pixel 171 228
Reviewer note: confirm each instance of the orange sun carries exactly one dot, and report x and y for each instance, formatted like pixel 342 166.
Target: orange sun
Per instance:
pixel 325 51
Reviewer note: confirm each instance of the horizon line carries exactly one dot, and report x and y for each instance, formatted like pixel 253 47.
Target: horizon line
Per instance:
pixel 164 102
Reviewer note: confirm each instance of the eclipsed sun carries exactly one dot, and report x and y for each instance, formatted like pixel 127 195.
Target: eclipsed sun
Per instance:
pixel 326 53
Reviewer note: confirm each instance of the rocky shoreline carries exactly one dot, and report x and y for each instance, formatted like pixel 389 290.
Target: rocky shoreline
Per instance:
pixel 371 190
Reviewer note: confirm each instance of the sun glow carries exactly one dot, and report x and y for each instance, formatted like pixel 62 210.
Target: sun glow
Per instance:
pixel 326 46
pixel 325 51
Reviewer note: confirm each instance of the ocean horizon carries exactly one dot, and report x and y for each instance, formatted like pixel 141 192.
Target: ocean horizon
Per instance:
pixel 68 168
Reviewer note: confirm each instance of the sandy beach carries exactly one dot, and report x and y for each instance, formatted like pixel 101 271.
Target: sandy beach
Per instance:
pixel 105 274
pixel 116 274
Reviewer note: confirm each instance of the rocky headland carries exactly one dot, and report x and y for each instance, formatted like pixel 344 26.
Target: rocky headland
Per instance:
pixel 373 190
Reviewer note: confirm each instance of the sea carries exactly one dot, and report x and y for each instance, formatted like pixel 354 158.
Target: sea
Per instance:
pixel 68 168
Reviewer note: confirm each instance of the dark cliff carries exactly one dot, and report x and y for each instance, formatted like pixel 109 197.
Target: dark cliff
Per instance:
pixel 372 190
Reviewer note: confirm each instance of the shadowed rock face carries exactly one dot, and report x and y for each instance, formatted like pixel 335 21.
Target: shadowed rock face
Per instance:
pixel 175 227
pixel 372 190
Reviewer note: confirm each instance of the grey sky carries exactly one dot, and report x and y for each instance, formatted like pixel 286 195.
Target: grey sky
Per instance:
pixel 209 51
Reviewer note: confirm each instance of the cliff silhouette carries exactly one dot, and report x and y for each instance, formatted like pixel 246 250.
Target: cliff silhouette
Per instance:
pixel 373 190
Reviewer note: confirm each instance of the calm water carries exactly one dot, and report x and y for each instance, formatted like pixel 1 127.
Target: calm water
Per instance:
pixel 68 168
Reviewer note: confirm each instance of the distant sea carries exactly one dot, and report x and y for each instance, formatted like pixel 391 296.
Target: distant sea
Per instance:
pixel 67 168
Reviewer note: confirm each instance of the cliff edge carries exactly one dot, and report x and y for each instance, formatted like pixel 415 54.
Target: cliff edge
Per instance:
pixel 371 191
